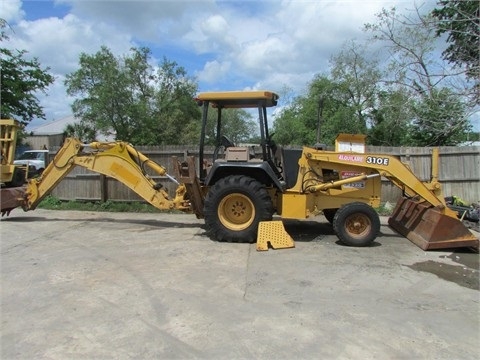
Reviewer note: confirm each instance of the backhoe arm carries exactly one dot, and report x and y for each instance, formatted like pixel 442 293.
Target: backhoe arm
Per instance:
pixel 118 160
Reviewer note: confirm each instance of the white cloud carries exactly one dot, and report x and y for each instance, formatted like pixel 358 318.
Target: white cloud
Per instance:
pixel 55 96
pixel 57 43
pixel 214 70
pixel 209 34
pixel 227 45
pixel 291 43
pixel 155 21
pixel 215 25
pixel 11 10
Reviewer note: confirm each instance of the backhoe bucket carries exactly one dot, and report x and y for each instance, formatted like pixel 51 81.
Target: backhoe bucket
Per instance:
pixel 428 228
pixel 10 198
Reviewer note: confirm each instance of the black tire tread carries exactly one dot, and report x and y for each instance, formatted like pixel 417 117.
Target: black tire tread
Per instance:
pixel 329 214
pixel 350 209
pixel 239 184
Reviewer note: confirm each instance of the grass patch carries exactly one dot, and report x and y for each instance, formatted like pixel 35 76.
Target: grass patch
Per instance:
pixel 53 203
pixel 385 209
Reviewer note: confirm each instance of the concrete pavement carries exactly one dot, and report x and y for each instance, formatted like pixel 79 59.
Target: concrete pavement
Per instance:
pixel 122 286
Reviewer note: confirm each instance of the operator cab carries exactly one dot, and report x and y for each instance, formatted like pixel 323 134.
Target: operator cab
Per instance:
pixel 239 160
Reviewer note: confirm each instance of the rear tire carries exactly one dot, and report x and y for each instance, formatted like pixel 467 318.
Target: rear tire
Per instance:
pixel 234 207
pixel 356 224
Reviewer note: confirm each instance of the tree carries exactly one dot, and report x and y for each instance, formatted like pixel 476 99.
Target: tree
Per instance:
pixel 21 79
pixel 323 105
pixel 80 131
pixel 346 99
pixel 460 20
pixel 358 79
pixel 391 119
pixel 237 125
pixel 441 118
pixel 139 103
pixel 289 126
pixel 411 46
pixel 296 123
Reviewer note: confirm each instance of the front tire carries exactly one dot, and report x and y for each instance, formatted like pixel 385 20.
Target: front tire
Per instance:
pixel 356 224
pixel 234 207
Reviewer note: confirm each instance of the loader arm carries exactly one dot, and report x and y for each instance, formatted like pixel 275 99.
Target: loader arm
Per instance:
pixel 421 215
pixel 118 160
pixel 391 168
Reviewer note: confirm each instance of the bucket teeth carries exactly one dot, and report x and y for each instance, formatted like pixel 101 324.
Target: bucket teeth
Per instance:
pixel 429 228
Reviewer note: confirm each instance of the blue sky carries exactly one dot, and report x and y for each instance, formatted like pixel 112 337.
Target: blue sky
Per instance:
pixel 225 45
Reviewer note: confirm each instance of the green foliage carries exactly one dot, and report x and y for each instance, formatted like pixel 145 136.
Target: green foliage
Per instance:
pixel 20 80
pixel 439 120
pixel 237 125
pixel 297 123
pixel 471 136
pixel 460 20
pixel 391 119
pixel 358 81
pixel 80 131
pixel 330 103
pixel 52 203
pixel 140 103
pixel 385 209
pixel 289 126
pixel 436 112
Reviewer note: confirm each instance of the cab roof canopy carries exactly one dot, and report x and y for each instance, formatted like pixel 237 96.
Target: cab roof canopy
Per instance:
pixel 239 99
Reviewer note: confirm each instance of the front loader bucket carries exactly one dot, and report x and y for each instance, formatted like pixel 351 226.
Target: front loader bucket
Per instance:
pixel 428 228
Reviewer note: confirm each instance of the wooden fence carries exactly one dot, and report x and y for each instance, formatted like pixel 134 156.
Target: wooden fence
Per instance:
pixel 459 173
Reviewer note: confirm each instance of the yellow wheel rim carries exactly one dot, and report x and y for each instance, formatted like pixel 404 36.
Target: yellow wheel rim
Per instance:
pixel 358 225
pixel 236 212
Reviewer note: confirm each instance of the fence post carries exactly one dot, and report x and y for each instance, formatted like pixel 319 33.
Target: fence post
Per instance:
pixel 103 188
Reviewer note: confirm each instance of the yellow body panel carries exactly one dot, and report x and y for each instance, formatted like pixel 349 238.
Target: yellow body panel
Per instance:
pixel 293 206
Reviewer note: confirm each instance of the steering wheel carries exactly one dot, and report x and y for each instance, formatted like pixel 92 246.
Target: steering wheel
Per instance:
pixel 225 142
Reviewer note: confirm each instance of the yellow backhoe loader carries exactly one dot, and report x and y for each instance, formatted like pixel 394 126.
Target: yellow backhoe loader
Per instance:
pixel 238 192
